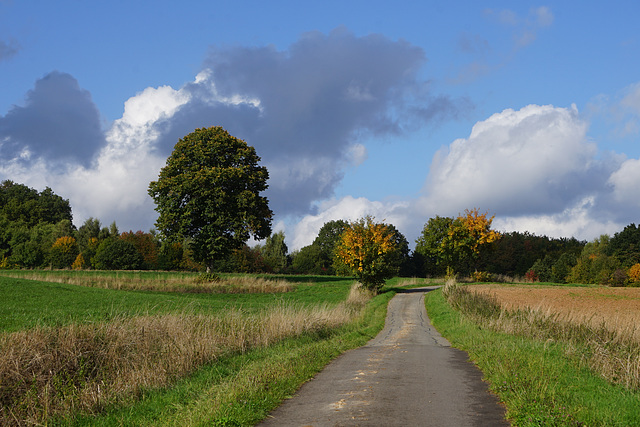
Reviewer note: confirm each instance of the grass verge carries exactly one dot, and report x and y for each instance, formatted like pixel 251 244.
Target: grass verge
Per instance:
pixel 86 363
pixel 241 389
pixel 541 382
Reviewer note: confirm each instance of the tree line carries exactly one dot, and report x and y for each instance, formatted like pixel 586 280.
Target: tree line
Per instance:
pixel 36 231
pixel 209 204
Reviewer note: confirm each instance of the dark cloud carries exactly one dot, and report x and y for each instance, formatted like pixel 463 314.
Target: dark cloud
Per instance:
pixel 316 99
pixel 58 121
pixel 8 50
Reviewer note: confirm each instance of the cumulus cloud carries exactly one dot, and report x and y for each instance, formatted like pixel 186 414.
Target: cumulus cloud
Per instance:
pixel 309 111
pixel 534 168
pixel 577 220
pixel 58 121
pixel 625 182
pixel 534 160
pixel 350 209
pixel 537 170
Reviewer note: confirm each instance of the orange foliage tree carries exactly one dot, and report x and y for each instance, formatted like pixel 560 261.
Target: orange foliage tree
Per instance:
pixel 369 250
pixel 634 275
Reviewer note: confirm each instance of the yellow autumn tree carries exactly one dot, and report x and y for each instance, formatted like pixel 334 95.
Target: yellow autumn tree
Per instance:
pixel 63 252
pixel 634 275
pixel 369 250
pixel 466 235
pixel 79 263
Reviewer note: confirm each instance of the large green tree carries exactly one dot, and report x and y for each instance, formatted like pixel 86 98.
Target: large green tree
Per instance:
pixel 209 191
pixel 430 245
pixel 625 246
pixel 327 240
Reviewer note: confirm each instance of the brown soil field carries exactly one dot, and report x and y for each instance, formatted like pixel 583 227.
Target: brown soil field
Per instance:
pixel 616 308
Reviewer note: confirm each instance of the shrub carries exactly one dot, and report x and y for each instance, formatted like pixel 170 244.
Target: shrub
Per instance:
pixel 482 276
pixel 63 252
pixel 146 244
pixel 117 254
pixel 618 278
pixel 634 275
pixel 170 256
pixel 531 276
pixel 79 263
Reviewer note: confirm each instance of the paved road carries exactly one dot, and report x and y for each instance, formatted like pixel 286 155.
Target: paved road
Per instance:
pixel 408 375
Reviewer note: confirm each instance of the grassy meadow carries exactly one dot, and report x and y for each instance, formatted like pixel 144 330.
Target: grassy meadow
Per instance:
pixel 548 369
pixel 157 348
pixel 146 349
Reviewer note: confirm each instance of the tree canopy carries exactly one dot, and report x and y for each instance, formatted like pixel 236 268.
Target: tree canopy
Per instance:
pixel 19 203
pixel 370 250
pixel 209 191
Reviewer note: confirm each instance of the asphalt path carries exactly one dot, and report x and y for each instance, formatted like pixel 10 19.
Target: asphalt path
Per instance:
pixel 409 375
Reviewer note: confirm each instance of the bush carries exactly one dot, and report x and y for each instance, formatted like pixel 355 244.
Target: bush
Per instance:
pixel 63 252
pixel 618 278
pixel 482 276
pixel 208 278
pixel 531 276
pixel 634 275
pixel 146 244
pixel 117 254
pixel 79 263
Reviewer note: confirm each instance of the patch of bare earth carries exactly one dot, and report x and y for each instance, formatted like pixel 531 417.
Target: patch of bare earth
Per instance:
pixel 617 308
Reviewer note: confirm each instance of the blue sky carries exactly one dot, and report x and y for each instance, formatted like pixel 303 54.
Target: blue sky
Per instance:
pixel 402 110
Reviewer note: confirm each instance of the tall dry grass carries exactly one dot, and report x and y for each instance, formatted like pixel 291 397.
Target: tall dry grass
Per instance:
pixel 612 353
pixel 161 282
pixel 58 371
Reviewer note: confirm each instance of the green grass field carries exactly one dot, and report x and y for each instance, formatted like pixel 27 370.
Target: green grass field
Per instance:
pixel 28 303
pixel 237 388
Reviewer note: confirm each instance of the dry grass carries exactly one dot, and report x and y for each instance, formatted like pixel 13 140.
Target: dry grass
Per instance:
pixel 606 344
pixel 162 282
pixel 617 309
pixel 58 371
pixel 418 281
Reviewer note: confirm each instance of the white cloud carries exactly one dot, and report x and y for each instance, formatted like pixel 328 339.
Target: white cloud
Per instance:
pixel 626 183
pixel 115 187
pixel 531 160
pixel 152 104
pixel 574 221
pixel 348 209
pixel 534 168
pixel 357 154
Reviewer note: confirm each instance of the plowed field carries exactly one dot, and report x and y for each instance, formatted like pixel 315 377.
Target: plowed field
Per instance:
pixel 617 308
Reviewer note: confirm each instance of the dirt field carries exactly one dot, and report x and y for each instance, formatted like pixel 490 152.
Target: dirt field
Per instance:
pixel 618 308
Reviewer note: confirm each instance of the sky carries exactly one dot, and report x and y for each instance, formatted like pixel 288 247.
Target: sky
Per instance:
pixel 401 110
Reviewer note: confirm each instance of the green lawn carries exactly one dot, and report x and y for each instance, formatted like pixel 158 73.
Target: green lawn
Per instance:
pixel 28 303
pixel 237 389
